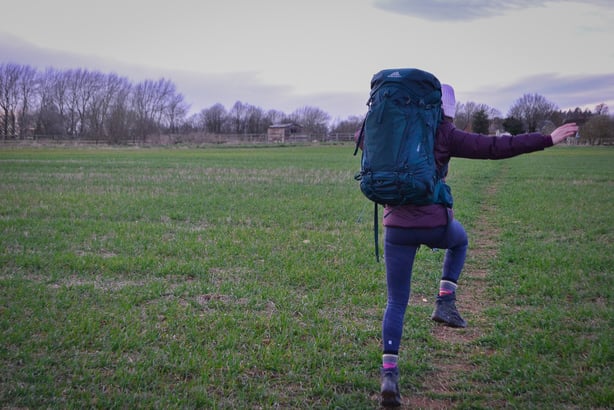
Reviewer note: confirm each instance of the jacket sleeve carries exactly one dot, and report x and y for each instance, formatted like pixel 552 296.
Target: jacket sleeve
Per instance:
pixel 477 146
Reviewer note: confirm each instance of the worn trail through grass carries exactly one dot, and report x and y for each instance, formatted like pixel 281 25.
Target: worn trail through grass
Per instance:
pixel 455 359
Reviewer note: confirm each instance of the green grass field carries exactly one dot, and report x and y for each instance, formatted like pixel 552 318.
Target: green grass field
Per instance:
pixel 244 278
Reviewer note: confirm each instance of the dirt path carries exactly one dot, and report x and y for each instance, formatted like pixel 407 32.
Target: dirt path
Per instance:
pixel 452 365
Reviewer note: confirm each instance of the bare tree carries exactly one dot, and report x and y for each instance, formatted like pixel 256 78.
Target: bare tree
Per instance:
pixel 313 120
pixel 120 121
pixel 213 119
pixel 150 103
pixel 236 117
pixel 74 82
pixel 599 129
pixel 532 109
pixel 165 97
pixel 47 118
pixel 256 121
pixel 192 123
pixel 9 94
pixel 176 111
pixel 601 109
pixel 465 113
pixel 88 86
pixel 28 90
pixel 348 126
pixel 109 89
pixel 275 116
pixel 61 99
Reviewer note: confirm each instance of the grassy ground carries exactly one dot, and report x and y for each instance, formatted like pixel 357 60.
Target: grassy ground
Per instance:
pixel 245 278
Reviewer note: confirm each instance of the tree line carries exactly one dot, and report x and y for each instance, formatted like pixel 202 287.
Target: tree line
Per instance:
pixel 78 103
pixel 84 104
pixel 534 113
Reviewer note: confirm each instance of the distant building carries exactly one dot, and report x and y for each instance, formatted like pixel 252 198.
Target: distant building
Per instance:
pixel 279 132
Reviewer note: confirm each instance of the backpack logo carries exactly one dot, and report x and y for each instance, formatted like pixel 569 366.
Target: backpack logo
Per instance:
pixel 396 74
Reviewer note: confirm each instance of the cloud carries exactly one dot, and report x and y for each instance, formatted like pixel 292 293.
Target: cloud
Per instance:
pixel 15 50
pixel 566 91
pixel 570 91
pixel 201 90
pixel 205 90
pixel 453 10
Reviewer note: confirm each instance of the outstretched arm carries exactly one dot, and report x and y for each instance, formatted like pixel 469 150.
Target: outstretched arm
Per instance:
pixel 564 131
pixel 477 146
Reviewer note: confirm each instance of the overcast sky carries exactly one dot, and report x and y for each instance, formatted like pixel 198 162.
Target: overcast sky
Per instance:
pixel 285 54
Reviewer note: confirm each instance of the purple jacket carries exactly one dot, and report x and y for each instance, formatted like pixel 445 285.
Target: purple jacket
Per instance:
pixel 452 142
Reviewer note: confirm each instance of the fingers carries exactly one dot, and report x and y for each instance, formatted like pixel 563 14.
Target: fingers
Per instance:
pixel 569 129
pixel 572 126
pixel 564 131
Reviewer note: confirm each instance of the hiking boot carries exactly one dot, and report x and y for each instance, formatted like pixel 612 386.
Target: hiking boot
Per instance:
pixel 446 312
pixel 390 387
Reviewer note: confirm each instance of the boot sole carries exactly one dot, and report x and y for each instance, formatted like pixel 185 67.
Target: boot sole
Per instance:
pixel 390 399
pixel 440 320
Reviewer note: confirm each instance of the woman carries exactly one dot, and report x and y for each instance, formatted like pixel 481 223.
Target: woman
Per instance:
pixel 409 226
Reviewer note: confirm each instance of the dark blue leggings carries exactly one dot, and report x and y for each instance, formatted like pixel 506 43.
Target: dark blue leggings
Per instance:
pixel 400 247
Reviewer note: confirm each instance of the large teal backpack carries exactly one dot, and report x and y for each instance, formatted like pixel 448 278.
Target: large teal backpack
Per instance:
pixel 398 140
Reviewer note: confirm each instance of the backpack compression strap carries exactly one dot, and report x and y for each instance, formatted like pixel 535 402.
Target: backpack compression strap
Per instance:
pixel 375 231
pixel 360 136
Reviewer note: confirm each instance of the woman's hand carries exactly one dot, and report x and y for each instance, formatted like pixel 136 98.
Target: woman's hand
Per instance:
pixel 564 131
